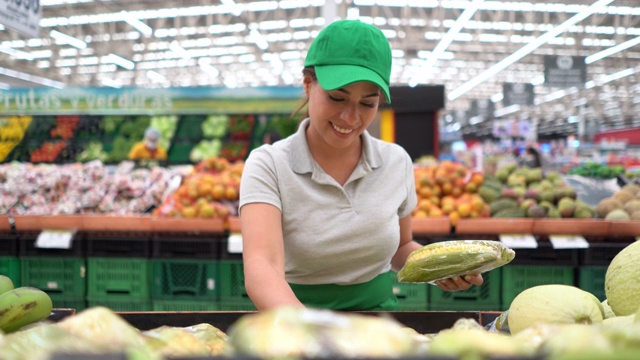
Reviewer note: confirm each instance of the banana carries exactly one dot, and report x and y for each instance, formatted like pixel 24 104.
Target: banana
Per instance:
pixel 5 284
pixel 23 306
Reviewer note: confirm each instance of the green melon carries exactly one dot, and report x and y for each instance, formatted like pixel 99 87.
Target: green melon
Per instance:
pixel 553 304
pixel 622 281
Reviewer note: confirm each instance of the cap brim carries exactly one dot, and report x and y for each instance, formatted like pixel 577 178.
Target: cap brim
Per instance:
pixel 333 77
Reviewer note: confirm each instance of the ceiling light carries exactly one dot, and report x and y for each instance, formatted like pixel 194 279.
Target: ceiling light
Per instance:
pixel 111 82
pixel 156 76
pixel 612 50
pixel 120 61
pixel 506 110
pixel 18 54
pixel 528 48
pixel 445 42
pixel 235 8
pixel 176 48
pixel 63 39
pixel 257 38
pixel 206 66
pixel 144 29
pixel 31 78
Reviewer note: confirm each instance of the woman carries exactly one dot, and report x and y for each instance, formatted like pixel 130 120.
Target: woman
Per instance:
pixel 326 212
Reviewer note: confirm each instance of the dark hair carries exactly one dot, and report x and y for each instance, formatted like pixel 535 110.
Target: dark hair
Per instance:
pixel 537 162
pixel 311 72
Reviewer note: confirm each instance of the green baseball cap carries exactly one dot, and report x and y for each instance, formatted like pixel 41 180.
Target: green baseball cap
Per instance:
pixel 348 51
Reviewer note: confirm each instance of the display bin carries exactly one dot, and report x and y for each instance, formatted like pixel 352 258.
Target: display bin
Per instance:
pixel 591 279
pixel 516 278
pixel 483 297
pixel 27 247
pixel 61 276
pixel 545 254
pixel 186 246
pixel 10 267
pixel 68 302
pixel 241 305
pixel 179 152
pixel 184 280
pixel 120 244
pixel 184 305
pixel 118 279
pixel 414 297
pixel 189 128
pixel 600 253
pixel 119 304
pixel 8 244
pixel 231 281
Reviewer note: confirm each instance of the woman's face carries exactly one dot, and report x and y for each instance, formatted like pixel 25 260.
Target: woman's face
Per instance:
pixel 338 117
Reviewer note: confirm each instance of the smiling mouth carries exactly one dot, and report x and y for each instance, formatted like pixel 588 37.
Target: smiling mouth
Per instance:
pixel 341 130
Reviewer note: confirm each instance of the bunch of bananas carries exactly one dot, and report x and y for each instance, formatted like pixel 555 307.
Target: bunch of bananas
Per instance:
pixel 21 306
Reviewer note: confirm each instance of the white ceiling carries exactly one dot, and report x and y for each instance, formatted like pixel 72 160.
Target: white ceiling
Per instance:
pixel 263 43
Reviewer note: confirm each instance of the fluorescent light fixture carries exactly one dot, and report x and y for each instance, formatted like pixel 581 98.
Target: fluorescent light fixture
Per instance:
pixel 120 61
pixel 4 86
pixel 111 82
pixel 259 39
pixel 18 54
pixel 235 8
pixel 506 110
pixel 68 40
pixel 208 68
pixel 528 48
pixel 143 28
pixel 156 76
pixel 612 50
pixel 496 98
pixel 32 78
pixel 176 48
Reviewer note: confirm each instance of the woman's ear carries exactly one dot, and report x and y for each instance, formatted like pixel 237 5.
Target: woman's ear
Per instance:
pixel 306 82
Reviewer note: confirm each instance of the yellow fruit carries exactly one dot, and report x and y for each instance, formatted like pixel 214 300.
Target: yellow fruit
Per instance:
pixel 622 281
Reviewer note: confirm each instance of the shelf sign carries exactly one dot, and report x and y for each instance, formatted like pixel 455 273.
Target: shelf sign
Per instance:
pixel 519 241
pixel 22 16
pixel 564 71
pixel 234 243
pixel 568 242
pixel 55 239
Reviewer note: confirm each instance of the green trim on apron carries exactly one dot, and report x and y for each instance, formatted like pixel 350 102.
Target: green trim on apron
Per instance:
pixel 374 295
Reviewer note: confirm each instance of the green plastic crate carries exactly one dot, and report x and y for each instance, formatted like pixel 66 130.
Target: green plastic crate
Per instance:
pixel 189 127
pixel 179 153
pixel 10 267
pixel 184 305
pixel 63 276
pixel 119 304
pixel 591 279
pixel 184 279
pixel 245 305
pixel 231 281
pixel 411 297
pixel 517 278
pixel 125 278
pixel 66 302
pixel 483 297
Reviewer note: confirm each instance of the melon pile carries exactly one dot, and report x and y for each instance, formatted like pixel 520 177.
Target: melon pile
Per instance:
pixel 621 206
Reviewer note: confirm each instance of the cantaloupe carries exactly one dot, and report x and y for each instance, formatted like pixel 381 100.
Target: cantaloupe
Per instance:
pixel 553 304
pixel 622 281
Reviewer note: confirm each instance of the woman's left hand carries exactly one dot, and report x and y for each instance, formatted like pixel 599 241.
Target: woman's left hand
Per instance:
pixel 458 283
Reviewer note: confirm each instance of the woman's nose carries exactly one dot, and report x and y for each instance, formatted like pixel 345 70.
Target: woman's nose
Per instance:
pixel 349 113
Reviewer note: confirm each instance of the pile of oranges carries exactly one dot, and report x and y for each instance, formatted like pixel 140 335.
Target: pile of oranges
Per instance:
pixel 449 189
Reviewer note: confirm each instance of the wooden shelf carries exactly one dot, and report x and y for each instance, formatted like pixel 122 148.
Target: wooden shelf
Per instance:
pixel 571 226
pixel 624 228
pixel 187 225
pixel 431 226
pixel 494 226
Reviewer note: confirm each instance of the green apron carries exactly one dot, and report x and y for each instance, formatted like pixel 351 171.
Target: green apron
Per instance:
pixel 374 295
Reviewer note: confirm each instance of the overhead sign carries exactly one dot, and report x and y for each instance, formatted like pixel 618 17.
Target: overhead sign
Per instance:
pixel 564 71
pixel 21 15
pixel 517 94
pixel 483 108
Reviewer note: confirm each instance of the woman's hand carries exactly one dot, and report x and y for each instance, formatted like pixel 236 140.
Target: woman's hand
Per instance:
pixel 458 283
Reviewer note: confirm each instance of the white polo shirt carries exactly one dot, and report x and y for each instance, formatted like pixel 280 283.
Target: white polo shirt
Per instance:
pixel 333 234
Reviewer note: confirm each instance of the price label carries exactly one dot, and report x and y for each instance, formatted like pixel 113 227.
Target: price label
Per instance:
pixel 55 239
pixel 568 242
pixel 519 241
pixel 234 243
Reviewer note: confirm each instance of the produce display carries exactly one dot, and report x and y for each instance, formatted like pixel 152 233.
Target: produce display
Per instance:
pixel 210 191
pixel 597 170
pixel 449 189
pixel 446 259
pixel 520 192
pixel 621 206
pixel 89 188
pixel 21 306
pixel 12 130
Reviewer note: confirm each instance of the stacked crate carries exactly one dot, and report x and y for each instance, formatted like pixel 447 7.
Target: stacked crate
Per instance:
pixel 59 272
pixel 594 262
pixel 118 270
pixel 184 271
pixel 411 297
pixel 9 262
pixel 233 294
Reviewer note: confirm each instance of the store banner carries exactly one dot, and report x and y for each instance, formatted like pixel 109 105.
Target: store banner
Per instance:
pixel 564 71
pixel 482 107
pixel 21 15
pixel 112 101
pixel 517 94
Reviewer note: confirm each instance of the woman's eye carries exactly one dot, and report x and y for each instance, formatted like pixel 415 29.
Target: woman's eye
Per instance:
pixel 335 99
pixel 368 105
